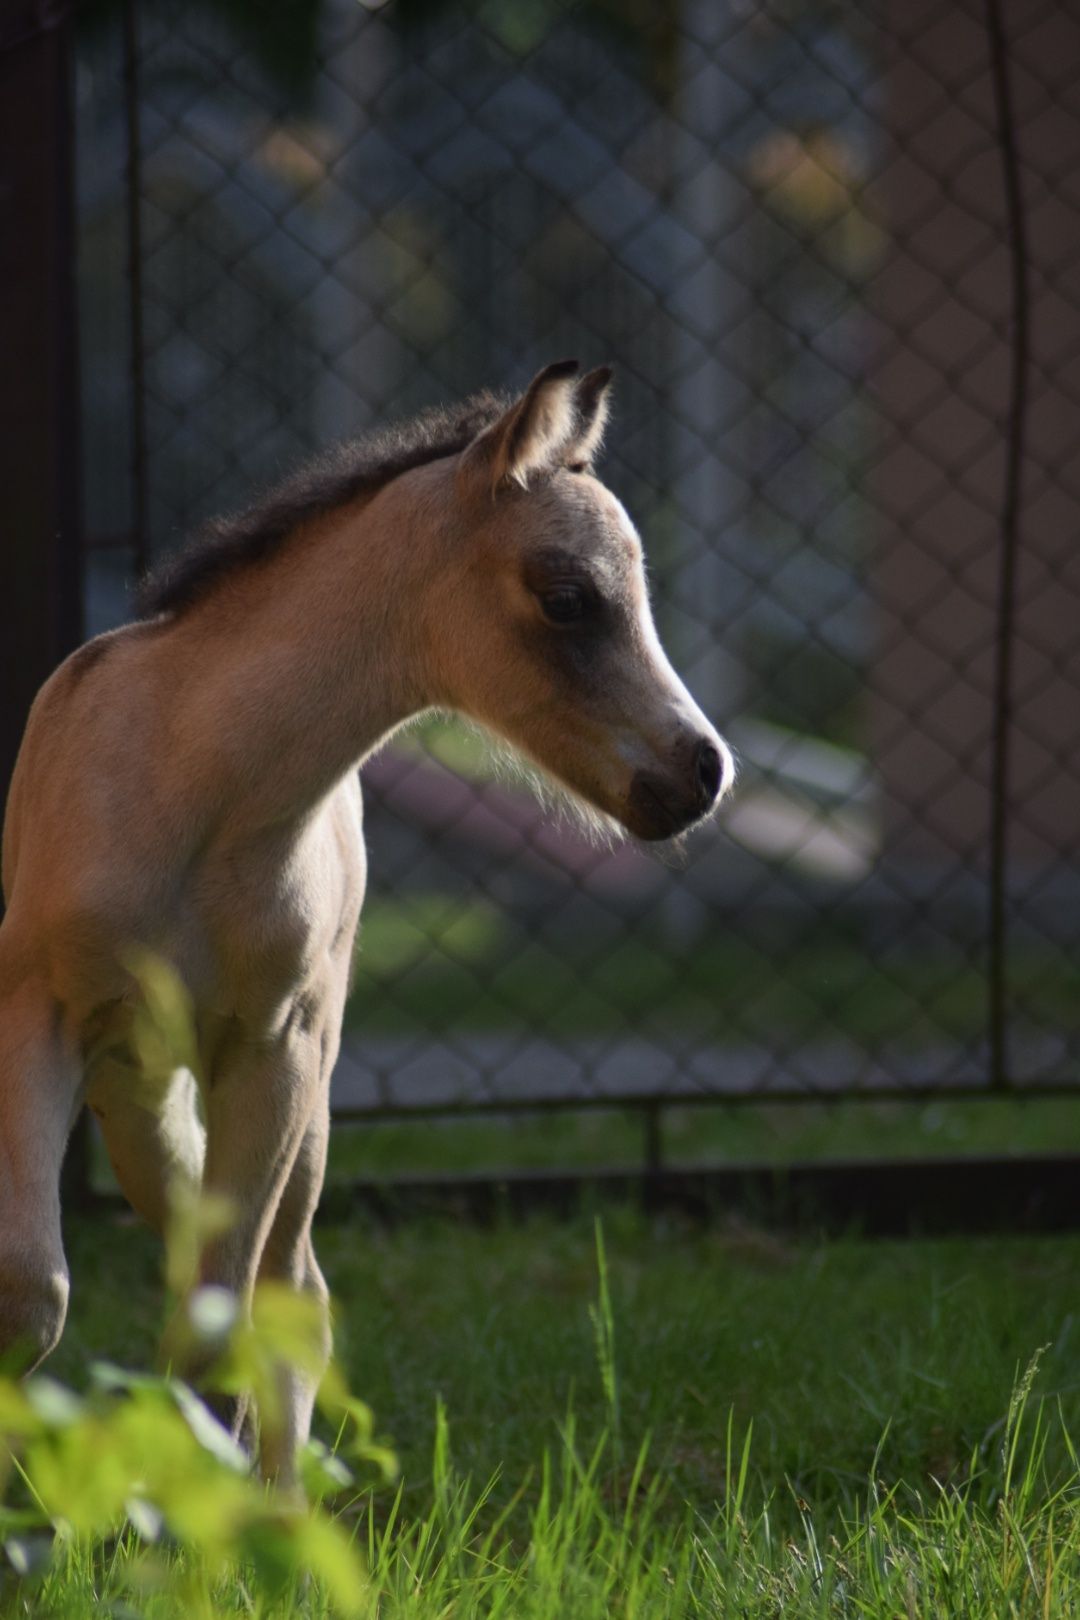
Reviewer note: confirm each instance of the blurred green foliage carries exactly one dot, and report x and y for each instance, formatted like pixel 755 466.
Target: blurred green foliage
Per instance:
pixel 280 35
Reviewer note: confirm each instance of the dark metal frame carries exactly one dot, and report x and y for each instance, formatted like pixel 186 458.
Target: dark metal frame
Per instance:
pixel 973 1196
pixel 879 1198
pixel 1010 541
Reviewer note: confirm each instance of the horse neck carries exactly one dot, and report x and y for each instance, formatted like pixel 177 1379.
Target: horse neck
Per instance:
pixel 330 659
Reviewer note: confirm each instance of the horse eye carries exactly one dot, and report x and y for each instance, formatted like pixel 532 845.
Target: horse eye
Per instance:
pixel 564 605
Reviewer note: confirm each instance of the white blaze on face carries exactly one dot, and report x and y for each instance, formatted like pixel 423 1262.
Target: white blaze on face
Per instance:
pixel 669 712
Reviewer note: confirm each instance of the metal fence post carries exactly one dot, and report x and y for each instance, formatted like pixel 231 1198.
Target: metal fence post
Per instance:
pixel 1019 320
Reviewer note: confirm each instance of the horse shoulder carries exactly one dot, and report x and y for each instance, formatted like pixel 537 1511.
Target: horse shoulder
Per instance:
pixel 277 904
pixel 94 849
pixel 83 780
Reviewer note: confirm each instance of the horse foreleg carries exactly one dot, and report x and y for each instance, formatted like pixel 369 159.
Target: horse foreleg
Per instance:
pixel 258 1104
pixel 40 1082
pixel 154 1139
pixel 289 1257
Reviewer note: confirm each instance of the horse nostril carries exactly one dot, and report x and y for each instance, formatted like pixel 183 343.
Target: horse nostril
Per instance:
pixel 707 766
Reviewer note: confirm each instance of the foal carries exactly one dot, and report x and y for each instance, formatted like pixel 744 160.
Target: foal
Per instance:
pixel 188 784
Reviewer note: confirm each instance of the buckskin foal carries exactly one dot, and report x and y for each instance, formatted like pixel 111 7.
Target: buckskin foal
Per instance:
pixel 188 784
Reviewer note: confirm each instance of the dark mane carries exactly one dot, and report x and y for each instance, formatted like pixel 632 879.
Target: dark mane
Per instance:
pixel 339 475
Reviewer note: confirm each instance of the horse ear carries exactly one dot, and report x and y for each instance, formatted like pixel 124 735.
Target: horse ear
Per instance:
pixel 592 405
pixel 533 434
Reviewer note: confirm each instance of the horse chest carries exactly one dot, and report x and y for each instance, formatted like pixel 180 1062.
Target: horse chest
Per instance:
pixel 272 917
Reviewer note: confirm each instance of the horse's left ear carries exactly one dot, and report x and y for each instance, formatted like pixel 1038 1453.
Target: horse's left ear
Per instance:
pixel 533 435
pixel 592 405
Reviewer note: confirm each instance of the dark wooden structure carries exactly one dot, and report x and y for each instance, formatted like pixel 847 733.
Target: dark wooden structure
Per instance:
pixel 40 552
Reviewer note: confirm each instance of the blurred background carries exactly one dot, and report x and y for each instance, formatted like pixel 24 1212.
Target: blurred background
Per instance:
pixel 832 251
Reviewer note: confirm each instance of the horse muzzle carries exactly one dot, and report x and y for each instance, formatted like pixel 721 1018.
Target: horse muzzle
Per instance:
pixel 661 804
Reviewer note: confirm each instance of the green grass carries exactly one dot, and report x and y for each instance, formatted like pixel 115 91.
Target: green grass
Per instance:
pixel 439 963
pixel 723 1422
pixel 706 1134
pixel 672 1421
pixel 456 962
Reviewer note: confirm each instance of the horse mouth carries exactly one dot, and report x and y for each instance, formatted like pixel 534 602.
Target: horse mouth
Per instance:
pixel 655 812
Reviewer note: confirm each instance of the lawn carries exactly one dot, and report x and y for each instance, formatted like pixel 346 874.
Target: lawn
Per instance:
pixel 443 964
pixel 702 1135
pixel 466 961
pixel 721 1421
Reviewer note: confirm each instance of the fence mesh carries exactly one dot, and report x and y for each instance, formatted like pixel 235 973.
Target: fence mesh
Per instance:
pixel 799 230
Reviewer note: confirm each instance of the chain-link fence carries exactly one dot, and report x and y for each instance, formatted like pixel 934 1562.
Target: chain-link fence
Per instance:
pixel 831 250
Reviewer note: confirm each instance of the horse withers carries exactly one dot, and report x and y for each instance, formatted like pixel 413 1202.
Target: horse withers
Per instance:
pixel 188 785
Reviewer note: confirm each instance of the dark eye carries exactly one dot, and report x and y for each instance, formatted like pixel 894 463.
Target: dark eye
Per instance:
pixel 564 604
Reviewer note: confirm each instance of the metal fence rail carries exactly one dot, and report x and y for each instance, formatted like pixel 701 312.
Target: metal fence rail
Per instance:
pixel 831 251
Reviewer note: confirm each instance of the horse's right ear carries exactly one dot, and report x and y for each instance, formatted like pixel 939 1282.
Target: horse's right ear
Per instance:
pixel 592 399
pixel 531 435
